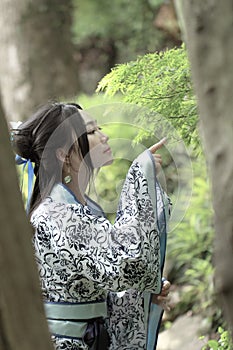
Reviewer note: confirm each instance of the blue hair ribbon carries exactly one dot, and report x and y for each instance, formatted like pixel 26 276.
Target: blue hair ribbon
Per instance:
pixel 27 165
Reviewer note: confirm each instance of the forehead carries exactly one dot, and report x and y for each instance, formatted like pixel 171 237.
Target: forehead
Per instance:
pixel 88 120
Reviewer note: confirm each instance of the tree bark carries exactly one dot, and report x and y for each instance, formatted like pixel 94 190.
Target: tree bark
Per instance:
pixel 36 54
pixel 208 32
pixel 22 322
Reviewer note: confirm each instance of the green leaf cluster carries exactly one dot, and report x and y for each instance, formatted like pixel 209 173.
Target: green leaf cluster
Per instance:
pixel 223 343
pixel 190 250
pixel 160 82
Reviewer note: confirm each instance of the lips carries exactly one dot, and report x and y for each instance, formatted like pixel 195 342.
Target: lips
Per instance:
pixel 107 150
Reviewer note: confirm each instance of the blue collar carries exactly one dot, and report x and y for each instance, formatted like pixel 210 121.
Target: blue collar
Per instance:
pixel 61 193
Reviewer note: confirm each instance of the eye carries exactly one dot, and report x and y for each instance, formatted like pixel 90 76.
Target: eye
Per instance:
pixel 91 132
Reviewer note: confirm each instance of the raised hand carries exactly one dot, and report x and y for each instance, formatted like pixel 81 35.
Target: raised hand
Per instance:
pixel 157 157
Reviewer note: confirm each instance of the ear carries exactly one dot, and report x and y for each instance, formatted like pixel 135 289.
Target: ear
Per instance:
pixel 61 154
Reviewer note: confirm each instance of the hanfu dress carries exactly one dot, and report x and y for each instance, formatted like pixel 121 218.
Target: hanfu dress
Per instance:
pixel 82 257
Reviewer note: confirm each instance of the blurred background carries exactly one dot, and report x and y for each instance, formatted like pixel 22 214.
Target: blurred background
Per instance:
pixel 125 52
pixel 52 49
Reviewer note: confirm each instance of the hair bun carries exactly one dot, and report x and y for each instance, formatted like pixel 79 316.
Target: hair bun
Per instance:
pixel 22 142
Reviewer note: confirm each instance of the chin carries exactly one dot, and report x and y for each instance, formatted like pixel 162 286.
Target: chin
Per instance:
pixel 99 164
pixel 109 162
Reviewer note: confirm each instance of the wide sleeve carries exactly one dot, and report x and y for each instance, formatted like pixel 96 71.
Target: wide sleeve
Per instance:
pixel 116 256
pixel 134 320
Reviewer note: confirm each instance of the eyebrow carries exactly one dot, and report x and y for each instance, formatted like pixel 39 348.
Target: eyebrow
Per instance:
pixel 91 122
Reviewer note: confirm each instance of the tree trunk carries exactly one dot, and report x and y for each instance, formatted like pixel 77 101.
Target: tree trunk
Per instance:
pixel 22 322
pixel 208 31
pixel 36 54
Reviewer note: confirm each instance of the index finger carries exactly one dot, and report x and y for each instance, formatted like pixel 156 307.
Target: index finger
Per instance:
pixel 157 145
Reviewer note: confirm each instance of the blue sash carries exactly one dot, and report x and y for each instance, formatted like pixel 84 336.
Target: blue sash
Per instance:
pixel 71 319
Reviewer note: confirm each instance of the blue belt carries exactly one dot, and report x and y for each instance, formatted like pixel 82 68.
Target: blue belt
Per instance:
pixel 70 319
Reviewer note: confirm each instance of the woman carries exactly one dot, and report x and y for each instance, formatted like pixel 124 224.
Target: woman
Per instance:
pixel 80 254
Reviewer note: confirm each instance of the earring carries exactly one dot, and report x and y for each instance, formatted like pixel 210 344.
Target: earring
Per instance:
pixel 67 179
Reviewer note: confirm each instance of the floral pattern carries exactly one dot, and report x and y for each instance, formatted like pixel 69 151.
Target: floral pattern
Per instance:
pixel 81 257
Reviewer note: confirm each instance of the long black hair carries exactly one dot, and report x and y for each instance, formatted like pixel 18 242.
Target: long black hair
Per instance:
pixel 53 126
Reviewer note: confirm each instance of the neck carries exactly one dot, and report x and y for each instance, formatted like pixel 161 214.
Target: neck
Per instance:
pixel 80 195
pixel 79 183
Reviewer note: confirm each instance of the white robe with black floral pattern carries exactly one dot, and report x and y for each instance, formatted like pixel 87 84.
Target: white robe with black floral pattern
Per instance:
pixel 82 256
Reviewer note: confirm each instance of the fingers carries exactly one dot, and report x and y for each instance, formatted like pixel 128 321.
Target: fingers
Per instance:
pixel 161 301
pixel 166 285
pixel 165 288
pixel 157 145
pixel 157 157
pixel 165 305
pixel 158 162
pixel 161 298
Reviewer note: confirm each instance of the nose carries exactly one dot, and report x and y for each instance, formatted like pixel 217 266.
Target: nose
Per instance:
pixel 104 138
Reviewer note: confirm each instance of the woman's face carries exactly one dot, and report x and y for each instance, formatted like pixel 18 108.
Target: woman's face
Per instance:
pixel 100 151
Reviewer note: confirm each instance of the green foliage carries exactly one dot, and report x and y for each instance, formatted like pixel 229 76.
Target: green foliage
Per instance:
pixel 190 249
pixel 193 238
pixel 224 342
pixel 160 82
pixel 87 101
